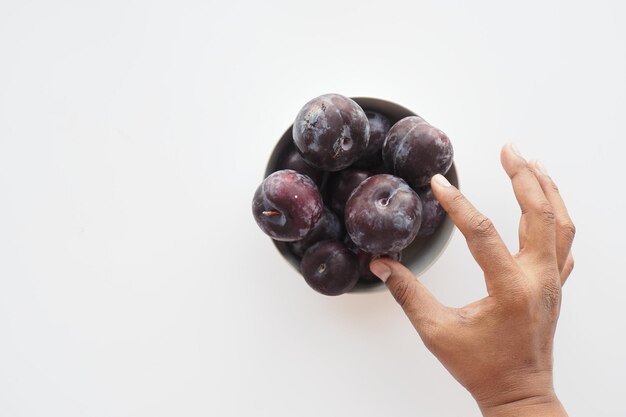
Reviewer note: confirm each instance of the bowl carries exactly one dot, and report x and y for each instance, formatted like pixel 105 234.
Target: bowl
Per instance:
pixel 420 255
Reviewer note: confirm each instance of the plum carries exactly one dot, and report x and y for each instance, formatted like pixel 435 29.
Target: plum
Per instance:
pixel 331 132
pixel 373 155
pixel 294 161
pixel 330 268
pixel 287 205
pixel 340 186
pixel 395 136
pixel 415 151
pixel 432 212
pixel 328 227
pixel 383 214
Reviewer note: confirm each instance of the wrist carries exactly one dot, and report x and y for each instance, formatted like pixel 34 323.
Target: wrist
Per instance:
pixel 544 406
pixel 521 395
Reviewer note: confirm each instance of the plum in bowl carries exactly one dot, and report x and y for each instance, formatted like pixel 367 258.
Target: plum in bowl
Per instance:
pixel 423 252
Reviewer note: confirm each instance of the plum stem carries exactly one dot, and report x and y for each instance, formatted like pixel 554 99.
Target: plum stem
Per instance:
pixel 337 152
pixel 384 202
pixel 271 213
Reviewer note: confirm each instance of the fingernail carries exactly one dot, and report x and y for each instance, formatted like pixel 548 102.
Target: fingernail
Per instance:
pixel 516 151
pixel 441 180
pixel 542 169
pixel 381 270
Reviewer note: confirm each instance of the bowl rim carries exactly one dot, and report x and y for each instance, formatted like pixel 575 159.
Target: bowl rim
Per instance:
pixel 366 102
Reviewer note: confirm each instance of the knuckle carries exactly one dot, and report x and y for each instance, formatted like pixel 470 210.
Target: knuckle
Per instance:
pixel 554 187
pixel 482 226
pixel 457 201
pixel 568 229
pixel 548 182
pixel 403 293
pixel 547 213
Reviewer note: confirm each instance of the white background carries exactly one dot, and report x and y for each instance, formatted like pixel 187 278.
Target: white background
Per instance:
pixel 133 279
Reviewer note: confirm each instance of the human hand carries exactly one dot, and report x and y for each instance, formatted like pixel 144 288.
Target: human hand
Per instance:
pixel 499 347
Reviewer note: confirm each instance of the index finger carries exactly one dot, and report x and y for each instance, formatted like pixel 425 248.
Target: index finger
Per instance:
pixel 482 238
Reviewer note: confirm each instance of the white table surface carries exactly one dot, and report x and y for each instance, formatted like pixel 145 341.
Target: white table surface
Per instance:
pixel 133 279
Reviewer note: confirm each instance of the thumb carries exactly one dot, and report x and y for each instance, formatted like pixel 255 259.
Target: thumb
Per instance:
pixel 417 302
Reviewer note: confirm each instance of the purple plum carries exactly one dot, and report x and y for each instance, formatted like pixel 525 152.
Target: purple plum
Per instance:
pixel 432 212
pixel 383 214
pixel 330 268
pixel 331 132
pixel 373 155
pixel 294 161
pixel 287 205
pixel 415 151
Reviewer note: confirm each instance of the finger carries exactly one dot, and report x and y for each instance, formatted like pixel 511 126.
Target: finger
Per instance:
pixel 522 232
pixel 483 240
pixel 537 213
pixel 418 303
pixel 568 267
pixel 565 229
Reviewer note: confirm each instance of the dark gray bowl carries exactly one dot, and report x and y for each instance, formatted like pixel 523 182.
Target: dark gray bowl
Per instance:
pixel 423 252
